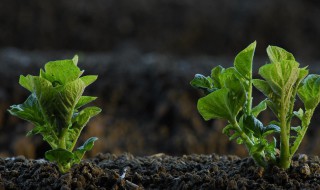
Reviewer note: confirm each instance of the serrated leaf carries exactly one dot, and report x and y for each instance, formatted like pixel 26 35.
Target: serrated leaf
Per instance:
pixel 309 92
pixel 243 61
pixel 278 54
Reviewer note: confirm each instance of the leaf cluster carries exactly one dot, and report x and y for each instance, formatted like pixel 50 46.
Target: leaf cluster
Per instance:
pixel 228 95
pixel 54 107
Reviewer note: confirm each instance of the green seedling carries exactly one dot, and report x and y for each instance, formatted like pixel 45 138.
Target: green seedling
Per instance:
pixel 54 109
pixel 229 96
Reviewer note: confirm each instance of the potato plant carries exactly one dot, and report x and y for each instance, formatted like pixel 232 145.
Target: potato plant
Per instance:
pixel 228 95
pixel 54 109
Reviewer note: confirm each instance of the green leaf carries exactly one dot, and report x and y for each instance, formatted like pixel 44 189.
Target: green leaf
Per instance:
pixel 223 103
pixel 234 136
pixel 75 59
pixel 61 72
pixel 270 150
pixel 254 125
pixel 26 82
pixel 84 100
pixel 215 105
pixel 202 82
pixel 45 94
pixel 299 114
pixel 215 75
pixel 297 129
pixel 259 108
pixel 281 76
pixel 29 111
pixel 270 129
pixel 243 61
pixel 256 148
pixel 264 87
pixel 278 54
pixel 309 92
pixel 78 123
pixel 88 145
pixel 65 101
pixel 84 116
pixel 89 79
pixel 229 75
pixel 239 141
pixel 227 130
pixel 59 155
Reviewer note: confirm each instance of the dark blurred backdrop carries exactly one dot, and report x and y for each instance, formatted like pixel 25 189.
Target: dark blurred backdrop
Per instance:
pixel 218 27
pixel 145 53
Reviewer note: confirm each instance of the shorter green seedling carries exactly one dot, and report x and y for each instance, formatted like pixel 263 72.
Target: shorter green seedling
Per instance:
pixel 229 96
pixel 54 108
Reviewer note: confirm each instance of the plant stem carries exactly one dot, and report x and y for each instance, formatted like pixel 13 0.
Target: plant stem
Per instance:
pixel 64 168
pixel 285 156
pixel 304 126
pixel 62 139
pixel 249 103
pixel 259 157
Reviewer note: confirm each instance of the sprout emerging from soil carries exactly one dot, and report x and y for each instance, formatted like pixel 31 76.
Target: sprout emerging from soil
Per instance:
pixel 229 96
pixel 54 108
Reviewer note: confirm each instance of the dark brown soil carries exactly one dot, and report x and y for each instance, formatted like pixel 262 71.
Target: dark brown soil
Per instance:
pixel 107 171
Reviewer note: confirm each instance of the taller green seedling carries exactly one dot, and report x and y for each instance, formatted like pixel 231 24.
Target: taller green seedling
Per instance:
pixel 229 96
pixel 54 108
pixel 283 80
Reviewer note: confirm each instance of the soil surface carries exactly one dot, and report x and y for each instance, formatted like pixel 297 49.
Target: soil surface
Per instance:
pixel 160 171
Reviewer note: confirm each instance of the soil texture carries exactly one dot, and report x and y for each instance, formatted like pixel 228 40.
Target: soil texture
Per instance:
pixel 160 171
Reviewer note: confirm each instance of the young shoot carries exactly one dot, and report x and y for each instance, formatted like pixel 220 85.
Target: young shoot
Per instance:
pixel 53 107
pixel 229 96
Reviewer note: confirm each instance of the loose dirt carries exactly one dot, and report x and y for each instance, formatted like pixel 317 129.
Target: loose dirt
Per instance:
pixel 160 171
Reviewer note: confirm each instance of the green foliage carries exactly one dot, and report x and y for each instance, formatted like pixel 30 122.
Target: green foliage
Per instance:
pixel 53 107
pixel 229 96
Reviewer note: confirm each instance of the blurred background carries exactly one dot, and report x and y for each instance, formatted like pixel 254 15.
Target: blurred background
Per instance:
pixel 145 53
